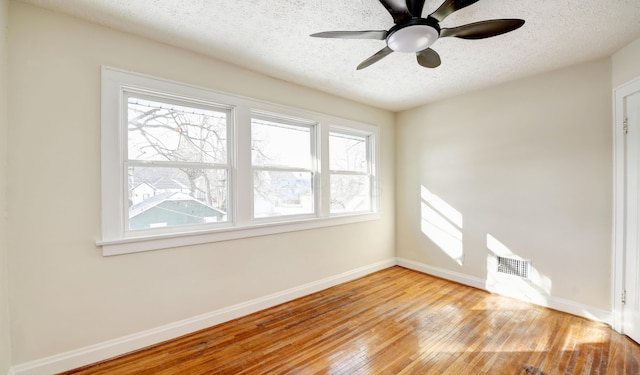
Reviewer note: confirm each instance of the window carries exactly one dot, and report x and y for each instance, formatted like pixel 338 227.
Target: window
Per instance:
pixel 184 165
pixel 178 156
pixel 350 168
pixel 282 155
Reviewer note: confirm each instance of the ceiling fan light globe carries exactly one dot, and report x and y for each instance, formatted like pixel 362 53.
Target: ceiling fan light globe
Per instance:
pixel 412 38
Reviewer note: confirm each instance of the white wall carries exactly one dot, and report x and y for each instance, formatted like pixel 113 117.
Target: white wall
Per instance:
pixel 64 294
pixel 528 163
pixel 5 343
pixel 626 64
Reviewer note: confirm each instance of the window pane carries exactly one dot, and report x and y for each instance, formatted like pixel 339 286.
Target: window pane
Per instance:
pixel 350 193
pixel 166 132
pixel 274 144
pixel 278 193
pixel 167 197
pixel 347 153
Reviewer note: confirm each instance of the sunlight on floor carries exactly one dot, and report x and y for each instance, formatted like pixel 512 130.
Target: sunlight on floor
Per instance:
pixel 536 289
pixel 577 336
pixel 442 224
pixel 345 359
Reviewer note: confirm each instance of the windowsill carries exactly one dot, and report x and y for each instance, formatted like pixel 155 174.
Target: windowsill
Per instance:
pixel 165 241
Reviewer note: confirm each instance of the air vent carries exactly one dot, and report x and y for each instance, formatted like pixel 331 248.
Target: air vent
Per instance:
pixel 513 266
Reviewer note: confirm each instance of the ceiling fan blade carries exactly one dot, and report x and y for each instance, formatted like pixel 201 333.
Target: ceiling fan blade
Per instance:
pixel 482 29
pixel 367 34
pixel 415 7
pixel 428 58
pixel 375 58
pixel 450 6
pixel 397 8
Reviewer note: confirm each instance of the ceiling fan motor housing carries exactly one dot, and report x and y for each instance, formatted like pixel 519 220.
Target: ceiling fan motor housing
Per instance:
pixel 413 35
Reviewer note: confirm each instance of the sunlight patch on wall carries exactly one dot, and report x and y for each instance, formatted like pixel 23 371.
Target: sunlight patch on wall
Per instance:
pixel 442 224
pixel 536 288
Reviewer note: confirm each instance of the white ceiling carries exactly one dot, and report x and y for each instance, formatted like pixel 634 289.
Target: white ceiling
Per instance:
pixel 272 37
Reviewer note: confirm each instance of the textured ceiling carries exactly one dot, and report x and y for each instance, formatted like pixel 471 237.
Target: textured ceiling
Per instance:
pixel 272 37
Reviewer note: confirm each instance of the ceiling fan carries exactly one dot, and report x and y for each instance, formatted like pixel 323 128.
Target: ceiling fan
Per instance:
pixel 414 33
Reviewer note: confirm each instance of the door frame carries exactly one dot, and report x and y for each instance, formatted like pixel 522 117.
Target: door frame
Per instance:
pixel 619 201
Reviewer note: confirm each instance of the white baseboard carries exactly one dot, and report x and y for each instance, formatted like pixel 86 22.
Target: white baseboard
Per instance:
pixel 442 273
pixel 555 303
pixel 99 352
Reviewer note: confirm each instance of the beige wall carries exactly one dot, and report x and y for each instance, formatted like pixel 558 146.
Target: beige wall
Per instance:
pixel 5 342
pixel 64 294
pixel 529 163
pixel 626 64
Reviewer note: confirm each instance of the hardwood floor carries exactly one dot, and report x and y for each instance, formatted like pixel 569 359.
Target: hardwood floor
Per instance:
pixel 395 321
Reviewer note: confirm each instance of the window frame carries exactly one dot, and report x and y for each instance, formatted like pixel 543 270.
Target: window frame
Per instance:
pixel 128 92
pixel 370 172
pixel 241 223
pixel 312 169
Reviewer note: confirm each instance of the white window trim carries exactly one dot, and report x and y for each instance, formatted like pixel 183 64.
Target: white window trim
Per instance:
pixel 116 241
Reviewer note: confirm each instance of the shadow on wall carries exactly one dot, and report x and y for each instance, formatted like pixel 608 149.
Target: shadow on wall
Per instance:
pixel 442 224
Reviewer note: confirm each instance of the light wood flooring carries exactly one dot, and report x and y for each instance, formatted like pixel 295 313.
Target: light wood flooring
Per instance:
pixel 395 321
